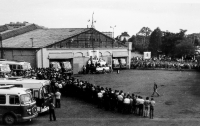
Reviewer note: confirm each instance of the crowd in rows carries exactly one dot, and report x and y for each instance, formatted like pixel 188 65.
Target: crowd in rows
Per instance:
pixel 163 63
pixel 108 99
pixel 103 97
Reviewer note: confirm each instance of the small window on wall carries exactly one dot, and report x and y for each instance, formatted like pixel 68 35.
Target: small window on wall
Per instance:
pixel 36 94
pixel 2 99
pixel 14 99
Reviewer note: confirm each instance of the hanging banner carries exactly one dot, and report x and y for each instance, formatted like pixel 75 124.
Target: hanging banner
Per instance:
pixel 147 55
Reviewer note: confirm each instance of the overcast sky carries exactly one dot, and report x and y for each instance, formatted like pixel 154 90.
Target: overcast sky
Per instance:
pixel 127 15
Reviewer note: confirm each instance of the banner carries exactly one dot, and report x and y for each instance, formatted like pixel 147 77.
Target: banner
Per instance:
pixel 147 55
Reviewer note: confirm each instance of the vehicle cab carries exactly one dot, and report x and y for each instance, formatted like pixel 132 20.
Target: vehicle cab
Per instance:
pixel 115 64
pixel 16 104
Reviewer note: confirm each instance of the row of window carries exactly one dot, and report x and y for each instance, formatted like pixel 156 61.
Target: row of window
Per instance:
pixel 13 99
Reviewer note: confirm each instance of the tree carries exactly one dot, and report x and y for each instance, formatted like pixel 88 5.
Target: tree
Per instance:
pixel 133 40
pixel 196 42
pixel 155 42
pixel 184 48
pixel 144 33
pixel 124 40
pixel 170 40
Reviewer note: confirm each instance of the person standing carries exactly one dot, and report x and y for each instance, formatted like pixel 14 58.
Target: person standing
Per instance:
pixel 155 87
pixel 51 111
pixel 146 107
pixel 152 104
pixel 58 95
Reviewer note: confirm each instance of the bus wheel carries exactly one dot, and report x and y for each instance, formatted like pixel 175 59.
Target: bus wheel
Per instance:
pixel 9 119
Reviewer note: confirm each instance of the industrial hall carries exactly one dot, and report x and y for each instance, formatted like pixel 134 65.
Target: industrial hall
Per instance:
pixel 40 45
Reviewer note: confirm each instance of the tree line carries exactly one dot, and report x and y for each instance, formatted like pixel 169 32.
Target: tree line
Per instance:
pixel 165 42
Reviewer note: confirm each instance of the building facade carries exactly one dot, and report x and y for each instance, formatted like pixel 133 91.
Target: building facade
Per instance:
pixel 40 46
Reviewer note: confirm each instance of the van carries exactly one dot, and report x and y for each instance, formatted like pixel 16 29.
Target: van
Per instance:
pixel 16 104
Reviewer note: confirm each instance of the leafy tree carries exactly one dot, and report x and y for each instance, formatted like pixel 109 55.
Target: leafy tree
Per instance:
pixel 196 42
pixel 133 40
pixel 170 40
pixel 185 47
pixel 124 40
pixel 144 33
pixel 155 41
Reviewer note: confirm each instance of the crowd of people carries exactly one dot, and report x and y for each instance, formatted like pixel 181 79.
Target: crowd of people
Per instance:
pixel 103 97
pixel 163 63
pixel 108 99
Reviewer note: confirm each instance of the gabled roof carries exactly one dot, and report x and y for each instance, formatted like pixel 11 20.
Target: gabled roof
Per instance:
pixel 18 31
pixel 125 34
pixel 41 37
pixel 4 28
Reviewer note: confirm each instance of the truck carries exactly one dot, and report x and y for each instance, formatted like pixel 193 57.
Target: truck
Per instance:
pixel 115 64
pixel 122 62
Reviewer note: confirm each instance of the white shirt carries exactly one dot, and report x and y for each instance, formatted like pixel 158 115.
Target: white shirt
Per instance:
pixel 127 101
pixel 60 85
pixel 152 103
pixel 120 97
pixel 100 95
pixel 58 95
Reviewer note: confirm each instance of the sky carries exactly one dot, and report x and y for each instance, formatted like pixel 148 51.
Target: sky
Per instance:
pixel 127 15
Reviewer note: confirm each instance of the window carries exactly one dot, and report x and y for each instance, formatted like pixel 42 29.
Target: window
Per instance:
pixel 14 99
pixel 2 99
pixel 36 94
pixel 26 98
pixel 16 85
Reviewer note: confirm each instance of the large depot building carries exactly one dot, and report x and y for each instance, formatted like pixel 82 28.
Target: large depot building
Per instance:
pixel 40 46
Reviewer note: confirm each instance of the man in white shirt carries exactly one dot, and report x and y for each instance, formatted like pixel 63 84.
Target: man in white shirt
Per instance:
pixel 141 103
pixel 146 107
pixel 127 103
pixel 100 99
pixel 152 104
pixel 58 95
pixel 120 101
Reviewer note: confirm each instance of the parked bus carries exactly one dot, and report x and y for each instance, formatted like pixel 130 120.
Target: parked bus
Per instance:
pixel 16 104
pixel 4 68
pixel 55 65
pixel 115 64
pixel 66 67
pixel 41 91
pixel 122 62
pixel 17 66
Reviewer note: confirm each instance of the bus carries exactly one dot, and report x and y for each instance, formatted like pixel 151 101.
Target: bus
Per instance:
pixel 66 67
pixel 122 62
pixel 115 64
pixel 17 66
pixel 41 91
pixel 55 65
pixel 16 105
pixel 4 68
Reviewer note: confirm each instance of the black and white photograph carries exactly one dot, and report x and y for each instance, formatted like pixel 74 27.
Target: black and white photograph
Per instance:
pixel 100 62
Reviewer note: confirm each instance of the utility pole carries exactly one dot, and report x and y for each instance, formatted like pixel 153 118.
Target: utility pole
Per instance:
pixel 93 21
pixel 113 30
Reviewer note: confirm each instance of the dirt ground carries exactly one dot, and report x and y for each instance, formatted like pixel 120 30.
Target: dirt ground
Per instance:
pixel 178 104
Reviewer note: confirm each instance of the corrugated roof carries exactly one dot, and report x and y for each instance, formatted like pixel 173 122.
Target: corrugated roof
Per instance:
pixel 41 37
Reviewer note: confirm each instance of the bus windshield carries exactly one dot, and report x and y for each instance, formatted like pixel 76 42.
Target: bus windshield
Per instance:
pixel 26 98
pixel 46 90
pixel 26 66
pixel 67 65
